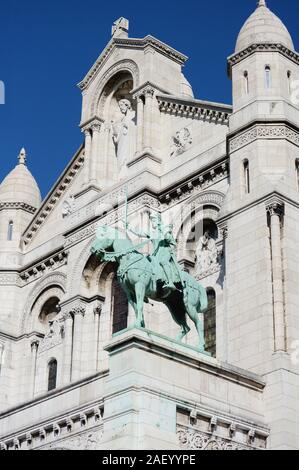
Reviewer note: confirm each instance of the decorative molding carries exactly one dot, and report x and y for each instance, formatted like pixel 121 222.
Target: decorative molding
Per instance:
pixel 17 206
pixel 39 270
pixel 263 47
pixel 263 131
pixel 194 110
pixel 191 439
pixel 10 279
pixel 198 184
pixel 79 430
pixel 54 197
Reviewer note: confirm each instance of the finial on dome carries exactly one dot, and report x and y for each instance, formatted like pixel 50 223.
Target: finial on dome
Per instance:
pixel 22 157
pixel 262 3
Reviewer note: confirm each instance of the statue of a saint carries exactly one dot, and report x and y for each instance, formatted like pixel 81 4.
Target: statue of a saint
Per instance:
pixel 206 254
pixel 164 247
pixel 123 134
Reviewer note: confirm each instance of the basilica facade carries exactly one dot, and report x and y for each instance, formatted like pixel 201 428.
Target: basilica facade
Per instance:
pixel 74 372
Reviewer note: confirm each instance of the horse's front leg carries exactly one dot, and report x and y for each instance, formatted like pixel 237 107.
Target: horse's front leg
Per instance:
pixel 140 294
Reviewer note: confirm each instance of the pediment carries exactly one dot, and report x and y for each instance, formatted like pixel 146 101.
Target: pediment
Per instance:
pixel 130 43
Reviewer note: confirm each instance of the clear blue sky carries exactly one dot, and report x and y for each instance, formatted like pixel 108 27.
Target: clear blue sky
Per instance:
pixel 46 48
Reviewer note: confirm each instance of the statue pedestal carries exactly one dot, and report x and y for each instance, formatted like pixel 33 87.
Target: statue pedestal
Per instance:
pixel 153 379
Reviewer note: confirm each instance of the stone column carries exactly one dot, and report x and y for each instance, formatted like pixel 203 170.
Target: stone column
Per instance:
pixel 96 129
pixel 140 110
pixel 78 314
pixel 275 211
pixel 34 350
pixel 87 133
pixel 147 123
pixel 67 347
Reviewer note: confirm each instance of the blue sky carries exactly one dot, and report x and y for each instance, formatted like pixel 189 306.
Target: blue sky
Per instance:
pixel 46 48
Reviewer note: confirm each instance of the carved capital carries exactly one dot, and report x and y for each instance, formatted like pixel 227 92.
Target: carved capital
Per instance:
pixel 98 309
pixel 275 208
pixel 96 127
pixel 78 310
pixel 148 92
pixel 34 345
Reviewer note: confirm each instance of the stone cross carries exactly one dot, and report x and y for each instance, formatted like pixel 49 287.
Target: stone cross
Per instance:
pixel 120 28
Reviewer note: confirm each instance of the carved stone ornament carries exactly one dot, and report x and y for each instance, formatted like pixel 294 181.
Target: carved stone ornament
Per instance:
pixel 197 440
pixel 181 142
pixel 206 254
pixel 53 337
pixel 273 131
pixel 87 441
pixel 69 206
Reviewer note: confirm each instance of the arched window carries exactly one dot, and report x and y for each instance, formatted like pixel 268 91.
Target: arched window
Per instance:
pixel 289 75
pixel 52 375
pixel 10 231
pixel 49 310
pixel 246 82
pixel 210 323
pixel 246 176
pixel 268 77
pixel 120 308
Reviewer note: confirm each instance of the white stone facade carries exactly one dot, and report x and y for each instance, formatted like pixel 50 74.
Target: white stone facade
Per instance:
pixel 72 376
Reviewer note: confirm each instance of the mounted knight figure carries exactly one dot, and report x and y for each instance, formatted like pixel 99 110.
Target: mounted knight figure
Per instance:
pixel 157 276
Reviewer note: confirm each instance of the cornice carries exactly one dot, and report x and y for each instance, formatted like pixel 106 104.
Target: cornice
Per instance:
pixel 54 196
pixel 197 184
pixel 38 270
pixel 195 109
pixel 131 43
pixel 94 121
pixel 262 47
pixel 17 206
pixel 146 88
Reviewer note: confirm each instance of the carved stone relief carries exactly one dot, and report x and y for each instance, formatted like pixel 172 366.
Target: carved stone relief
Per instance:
pixel 181 142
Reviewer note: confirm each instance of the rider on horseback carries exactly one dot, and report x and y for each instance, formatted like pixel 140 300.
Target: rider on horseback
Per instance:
pixel 163 254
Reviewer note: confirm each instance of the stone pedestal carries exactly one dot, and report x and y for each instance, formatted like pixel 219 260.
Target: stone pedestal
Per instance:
pixel 153 379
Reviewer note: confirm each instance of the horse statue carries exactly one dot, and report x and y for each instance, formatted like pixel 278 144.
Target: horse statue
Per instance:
pixel 145 277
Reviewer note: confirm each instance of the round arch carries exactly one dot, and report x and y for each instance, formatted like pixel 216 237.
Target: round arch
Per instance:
pixel 123 66
pixel 205 206
pixel 53 285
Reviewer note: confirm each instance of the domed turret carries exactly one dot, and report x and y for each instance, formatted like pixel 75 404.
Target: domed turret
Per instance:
pixel 20 186
pixel 263 26
pixel 19 200
pixel 186 88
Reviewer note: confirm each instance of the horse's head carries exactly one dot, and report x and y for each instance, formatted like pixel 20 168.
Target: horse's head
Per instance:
pixel 105 237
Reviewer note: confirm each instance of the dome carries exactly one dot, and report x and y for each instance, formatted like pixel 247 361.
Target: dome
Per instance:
pixel 20 186
pixel 186 88
pixel 263 26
